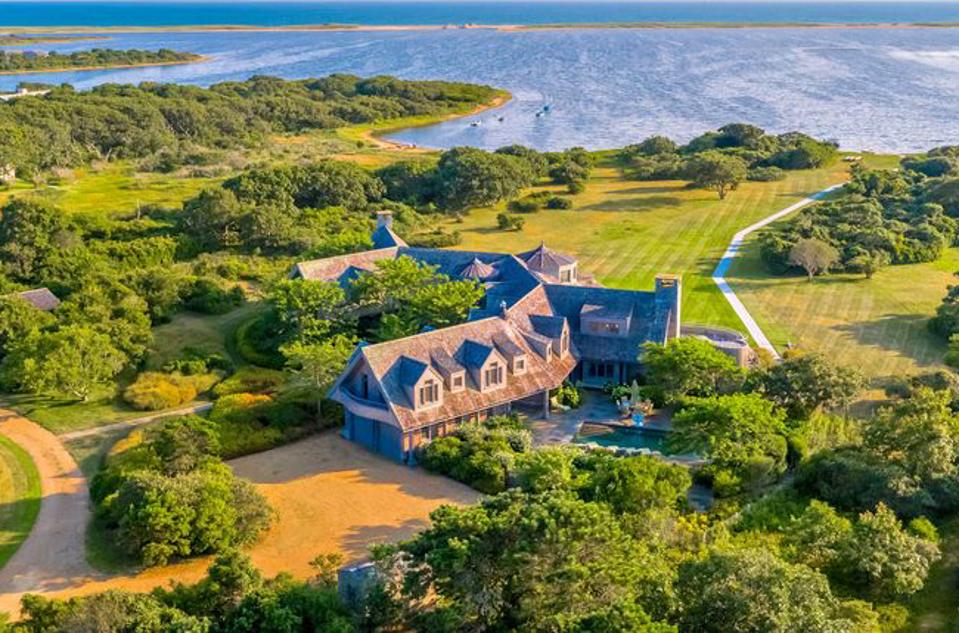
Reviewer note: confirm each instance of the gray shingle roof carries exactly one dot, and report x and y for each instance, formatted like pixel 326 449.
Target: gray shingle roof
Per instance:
pixel 40 298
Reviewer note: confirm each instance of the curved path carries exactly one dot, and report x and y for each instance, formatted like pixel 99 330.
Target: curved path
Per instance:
pixel 52 557
pixel 733 250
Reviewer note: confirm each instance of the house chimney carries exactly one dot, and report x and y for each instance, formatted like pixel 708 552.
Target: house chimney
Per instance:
pixel 384 219
pixel 668 298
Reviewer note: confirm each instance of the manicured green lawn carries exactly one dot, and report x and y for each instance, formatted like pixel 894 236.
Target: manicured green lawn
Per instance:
pixel 19 497
pixel 625 232
pixel 878 324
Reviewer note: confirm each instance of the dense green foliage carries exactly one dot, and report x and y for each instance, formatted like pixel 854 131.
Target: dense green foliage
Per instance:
pixel 170 496
pixel 94 58
pixel 881 217
pixel 233 597
pixel 722 160
pixel 69 128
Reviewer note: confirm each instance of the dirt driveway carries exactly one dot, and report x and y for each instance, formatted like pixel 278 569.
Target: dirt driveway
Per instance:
pixel 52 557
pixel 330 496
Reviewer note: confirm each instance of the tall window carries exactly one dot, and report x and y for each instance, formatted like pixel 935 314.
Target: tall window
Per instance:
pixel 494 374
pixel 429 392
pixel 364 387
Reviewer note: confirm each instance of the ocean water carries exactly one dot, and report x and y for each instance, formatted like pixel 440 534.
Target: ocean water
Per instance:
pixel 870 89
pixel 883 89
pixel 458 12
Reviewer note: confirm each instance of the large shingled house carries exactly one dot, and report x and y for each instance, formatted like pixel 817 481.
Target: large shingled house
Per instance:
pixel 541 323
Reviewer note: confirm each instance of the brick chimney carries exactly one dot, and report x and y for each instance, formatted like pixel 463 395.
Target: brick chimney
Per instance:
pixel 384 219
pixel 669 293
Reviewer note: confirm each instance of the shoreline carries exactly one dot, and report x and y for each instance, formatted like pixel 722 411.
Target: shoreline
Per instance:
pixel 334 28
pixel 376 135
pixel 67 69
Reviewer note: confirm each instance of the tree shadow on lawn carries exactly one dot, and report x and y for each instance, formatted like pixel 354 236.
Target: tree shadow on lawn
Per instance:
pixel 329 454
pixel 645 203
pixel 903 334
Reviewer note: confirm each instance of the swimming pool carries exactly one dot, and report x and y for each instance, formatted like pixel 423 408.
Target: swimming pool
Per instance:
pixel 638 437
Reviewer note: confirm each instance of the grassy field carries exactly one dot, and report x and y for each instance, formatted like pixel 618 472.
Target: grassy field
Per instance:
pixel 211 333
pixel 625 232
pixel 19 497
pixel 876 324
pixel 113 190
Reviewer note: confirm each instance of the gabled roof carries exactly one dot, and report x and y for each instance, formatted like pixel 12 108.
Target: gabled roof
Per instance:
pixel 39 298
pixel 445 363
pixel 507 347
pixel 331 268
pixel 386 361
pixel 385 237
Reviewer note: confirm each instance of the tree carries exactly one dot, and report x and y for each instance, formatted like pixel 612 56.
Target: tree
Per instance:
pixel 885 560
pixel 72 361
pixel 514 561
pixel 186 443
pixel 393 283
pixel 213 218
pixel 752 591
pixel 31 231
pixel 742 435
pixel 920 435
pixel 804 383
pixel 410 181
pixel 468 177
pixel 719 172
pixel 817 536
pixel 445 303
pixel 868 263
pixel 311 310
pixel 812 255
pixel 637 484
pixel 18 319
pixel 316 366
pixel 688 366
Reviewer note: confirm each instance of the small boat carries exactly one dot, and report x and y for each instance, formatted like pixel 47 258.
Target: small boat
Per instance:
pixel 475 124
pixel 501 119
pixel 539 114
pixel 547 107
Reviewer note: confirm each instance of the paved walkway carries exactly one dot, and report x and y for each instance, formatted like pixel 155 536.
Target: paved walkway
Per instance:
pixel 734 247
pixel 129 424
pixel 52 557
pixel 561 427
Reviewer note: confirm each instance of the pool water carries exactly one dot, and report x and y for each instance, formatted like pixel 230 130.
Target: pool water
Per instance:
pixel 651 439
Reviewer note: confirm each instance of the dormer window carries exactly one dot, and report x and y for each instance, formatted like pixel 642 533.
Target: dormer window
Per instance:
pixel 519 365
pixel 494 374
pixel 564 343
pixel 458 381
pixel 429 393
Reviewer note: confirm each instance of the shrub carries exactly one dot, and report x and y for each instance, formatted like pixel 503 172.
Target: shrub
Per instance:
pixel 207 297
pixel 197 361
pixel 251 380
pixel 153 391
pixel 258 345
pixel 508 222
pixel 239 408
pixel 437 238
pixel 765 174
pixel 558 202
pixel 568 395
pixel 481 456
pixel 576 187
